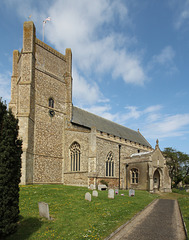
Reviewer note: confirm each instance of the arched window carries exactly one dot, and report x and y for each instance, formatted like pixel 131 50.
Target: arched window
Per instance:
pixel 75 156
pixel 134 176
pixel 109 165
pixel 51 102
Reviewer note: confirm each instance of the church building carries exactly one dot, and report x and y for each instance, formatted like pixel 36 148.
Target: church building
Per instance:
pixel 63 144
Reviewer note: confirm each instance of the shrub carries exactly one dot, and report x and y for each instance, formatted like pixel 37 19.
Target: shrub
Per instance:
pixel 186 180
pixel 104 182
pixel 10 171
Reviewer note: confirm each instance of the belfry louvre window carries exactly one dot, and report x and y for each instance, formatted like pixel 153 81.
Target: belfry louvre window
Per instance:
pixel 51 102
pixel 75 155
pixel 109 165
pixel 134 175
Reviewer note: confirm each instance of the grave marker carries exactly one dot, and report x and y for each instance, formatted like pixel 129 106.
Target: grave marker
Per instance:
pixel 111 193
pixel 88 196
pixel 131 193
pixel 95 193
pixel 44 210
pixel 92 187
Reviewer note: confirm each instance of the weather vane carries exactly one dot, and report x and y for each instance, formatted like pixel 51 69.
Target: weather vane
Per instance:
pixel 44 22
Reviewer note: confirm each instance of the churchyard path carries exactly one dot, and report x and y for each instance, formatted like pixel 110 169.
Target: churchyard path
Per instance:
pixel 161 220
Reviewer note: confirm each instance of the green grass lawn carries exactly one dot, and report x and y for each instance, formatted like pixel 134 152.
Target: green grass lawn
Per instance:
pixel 183 199
pixel 74 217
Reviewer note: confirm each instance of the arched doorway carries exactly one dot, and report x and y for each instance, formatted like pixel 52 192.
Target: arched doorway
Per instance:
pixel 156 180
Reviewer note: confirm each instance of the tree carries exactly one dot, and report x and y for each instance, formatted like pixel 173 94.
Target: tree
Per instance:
pixel 10 171
pixel 178 164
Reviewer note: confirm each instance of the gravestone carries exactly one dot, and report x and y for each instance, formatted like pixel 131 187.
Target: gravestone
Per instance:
pixel 102 187
pixel 92 187
pixel 116 191
pixel 110 193
pixel 88 196
pixel 131 193
pixel 187 190
pixel 44 210
pixel 95 193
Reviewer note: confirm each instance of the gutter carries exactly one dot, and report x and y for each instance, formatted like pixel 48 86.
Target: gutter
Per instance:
pixel 119 162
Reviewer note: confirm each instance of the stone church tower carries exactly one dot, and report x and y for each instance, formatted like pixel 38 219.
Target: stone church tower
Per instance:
pixel 64 144
pixel 40 90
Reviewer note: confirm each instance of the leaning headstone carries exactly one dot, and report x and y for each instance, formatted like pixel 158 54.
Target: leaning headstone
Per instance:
pixel 44 210
pixel 110 193
pixel 95 193
pixel 116 191
pixel 88 196
pixel 131 193
pixel 102 187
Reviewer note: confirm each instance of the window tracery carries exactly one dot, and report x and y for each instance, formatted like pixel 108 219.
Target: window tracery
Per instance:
pixel 109 165
pixel 75 155
pixel 134 175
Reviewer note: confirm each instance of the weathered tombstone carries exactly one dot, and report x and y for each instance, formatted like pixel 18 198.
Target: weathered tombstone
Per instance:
pixel 131 193
pixel 95 193
pixel 110 193
pixel 44 210
pixel 102 187
pixel 88 196
pixel 92 187
pixel 187 190
pixel 116 191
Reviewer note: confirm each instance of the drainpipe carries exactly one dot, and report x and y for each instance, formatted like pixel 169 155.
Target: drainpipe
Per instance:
pixel 126 166
pixel 119 162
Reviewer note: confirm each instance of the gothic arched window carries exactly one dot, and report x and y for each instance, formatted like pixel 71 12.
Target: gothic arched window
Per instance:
pixel 75 156
pixel 109 165
pixel 134 176
pixel 51 102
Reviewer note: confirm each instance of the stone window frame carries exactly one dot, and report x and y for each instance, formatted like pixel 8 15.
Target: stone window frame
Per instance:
pixel 134 176
pixel 75 157
pixel 51 102
pixel 109 165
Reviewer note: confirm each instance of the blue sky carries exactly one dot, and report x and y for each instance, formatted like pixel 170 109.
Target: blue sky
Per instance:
pixel 130 59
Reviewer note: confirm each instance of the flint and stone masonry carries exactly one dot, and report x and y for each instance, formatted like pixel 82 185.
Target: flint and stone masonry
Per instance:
pixel 63 144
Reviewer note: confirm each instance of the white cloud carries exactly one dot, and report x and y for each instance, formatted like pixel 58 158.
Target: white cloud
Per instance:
pixel 183 15
pixel 166 56
pixel 152 122
pixel 84 26
pixel 87 28
pixel 164 60
pixel 153 108
pixel 86 93
pixel 168 126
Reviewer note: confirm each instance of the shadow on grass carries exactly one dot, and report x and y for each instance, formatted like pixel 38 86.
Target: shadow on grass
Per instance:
pixel 26 227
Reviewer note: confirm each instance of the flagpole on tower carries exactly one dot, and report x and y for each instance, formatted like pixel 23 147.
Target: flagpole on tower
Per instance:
pixel 44 22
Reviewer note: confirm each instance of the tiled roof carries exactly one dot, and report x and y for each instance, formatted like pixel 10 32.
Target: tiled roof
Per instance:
pixel 89 120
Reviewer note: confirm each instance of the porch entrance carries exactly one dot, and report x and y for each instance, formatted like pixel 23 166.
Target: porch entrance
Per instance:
pixel 156 180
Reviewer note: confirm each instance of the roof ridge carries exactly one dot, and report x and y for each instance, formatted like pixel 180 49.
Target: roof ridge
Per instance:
pixel 89 120
pixel 107 120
